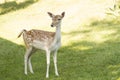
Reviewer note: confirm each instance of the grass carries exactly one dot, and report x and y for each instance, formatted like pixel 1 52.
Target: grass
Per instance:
pixel 89 52
pixel 79 60
pixel 13 6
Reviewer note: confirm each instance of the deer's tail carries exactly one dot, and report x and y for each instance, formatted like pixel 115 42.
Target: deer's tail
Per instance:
pixel 22 32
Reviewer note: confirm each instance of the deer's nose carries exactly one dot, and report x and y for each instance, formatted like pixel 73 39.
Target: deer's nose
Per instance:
pixel 51 25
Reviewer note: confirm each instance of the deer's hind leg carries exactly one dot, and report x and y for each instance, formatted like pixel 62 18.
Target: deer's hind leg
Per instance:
pixel 27 59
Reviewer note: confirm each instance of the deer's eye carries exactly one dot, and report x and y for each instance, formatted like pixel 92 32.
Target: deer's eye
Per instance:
pixel 59 19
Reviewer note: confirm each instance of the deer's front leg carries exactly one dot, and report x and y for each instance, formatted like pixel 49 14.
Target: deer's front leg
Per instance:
pixel 55 62
pixel 48 62
pixel 28 52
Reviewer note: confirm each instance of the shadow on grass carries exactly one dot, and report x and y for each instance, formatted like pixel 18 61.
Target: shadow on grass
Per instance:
pixel 12 6
pixel 88 60
pixel 11 62
pixel 76 32
pixel 98 62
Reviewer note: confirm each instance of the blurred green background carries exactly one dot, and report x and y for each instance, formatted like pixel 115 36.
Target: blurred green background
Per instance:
pixel 90 39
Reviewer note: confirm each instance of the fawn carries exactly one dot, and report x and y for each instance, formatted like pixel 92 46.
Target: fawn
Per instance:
pixel 44 40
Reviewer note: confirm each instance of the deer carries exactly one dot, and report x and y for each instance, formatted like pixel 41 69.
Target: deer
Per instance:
pixel 44 40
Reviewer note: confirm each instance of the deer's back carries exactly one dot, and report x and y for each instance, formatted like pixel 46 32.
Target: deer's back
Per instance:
pixel 38 37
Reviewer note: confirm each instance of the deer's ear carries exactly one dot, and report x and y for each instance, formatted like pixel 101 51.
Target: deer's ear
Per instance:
pixel 50 14
pixel 63 14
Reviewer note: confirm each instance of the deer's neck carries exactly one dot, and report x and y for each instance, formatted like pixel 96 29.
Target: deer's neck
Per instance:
pixel 58 33
pixel 57 39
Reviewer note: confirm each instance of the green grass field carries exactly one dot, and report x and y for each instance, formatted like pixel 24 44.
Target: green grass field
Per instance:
pixel 79 60
pixel 90 51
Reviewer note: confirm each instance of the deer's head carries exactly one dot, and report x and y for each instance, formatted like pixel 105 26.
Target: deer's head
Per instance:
pixel 56 19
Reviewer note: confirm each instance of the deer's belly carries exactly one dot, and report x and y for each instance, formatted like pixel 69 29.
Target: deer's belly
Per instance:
pixel 39 45
pixel 45 45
